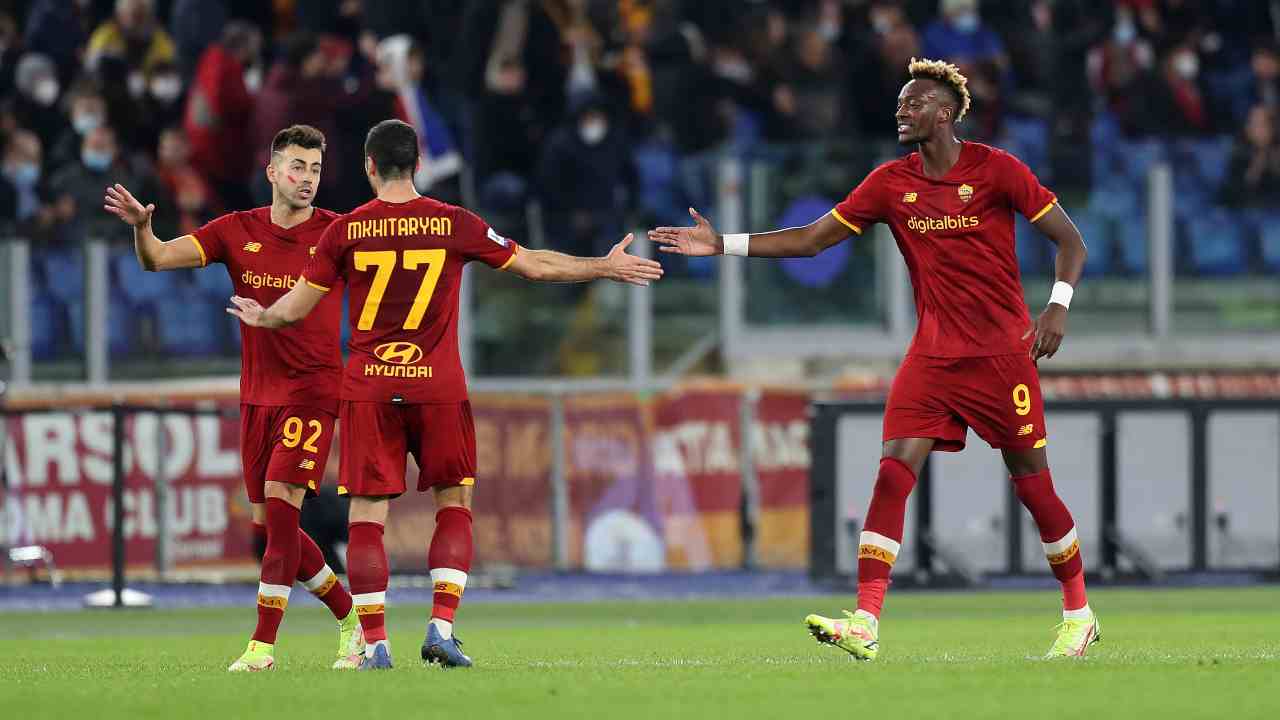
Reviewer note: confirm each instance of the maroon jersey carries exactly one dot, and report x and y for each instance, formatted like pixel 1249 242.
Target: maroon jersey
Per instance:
pixel 402 263
pixel 956 234
pixel 297 365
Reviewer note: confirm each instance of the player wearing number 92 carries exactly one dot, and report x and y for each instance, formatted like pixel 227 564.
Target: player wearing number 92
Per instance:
pixel 401 256
pixel 950 207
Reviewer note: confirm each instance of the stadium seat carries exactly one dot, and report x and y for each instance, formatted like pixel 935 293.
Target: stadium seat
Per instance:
pixel 140 287
pixel 1028 138
pixel 1216 243
pixel 186 324
pixel 48 325
pixel 122 320
pixel 1134 244
pixel 63 270
pixel 656 169
pixel 1034 250
pixel 819 271
pixel 1267 224
pixel 213 282
pixel 1098 237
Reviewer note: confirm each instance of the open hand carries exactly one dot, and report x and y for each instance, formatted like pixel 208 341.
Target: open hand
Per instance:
pixel 121 203
pixel 1049 330
pixel 699 240
pixel 247 309
pixel 627 268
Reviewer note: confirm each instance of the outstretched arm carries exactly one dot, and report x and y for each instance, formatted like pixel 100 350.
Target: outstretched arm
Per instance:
pixel 1051 326
pixel 289 309
pixel 153 254
pixel 702 239
pixel 552 266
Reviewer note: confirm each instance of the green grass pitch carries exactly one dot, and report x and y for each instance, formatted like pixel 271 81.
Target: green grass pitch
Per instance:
pixel 1164 654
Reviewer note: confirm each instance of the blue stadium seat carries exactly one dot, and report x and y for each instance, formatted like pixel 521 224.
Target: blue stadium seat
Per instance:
pixel 822 270
pixel 213 281
pixel 1034 250
pixel 139 286
pixel 48 325
pixel 1137 157
pixel 1096 231
pixel 186 323
pixel 1115 199
pixel 63 270
pixel 1268 228
pixel 1210 158
pixel 1028 138
pixel 122 319
pixel 1216 243
pixel 1133 244
pixel 657 172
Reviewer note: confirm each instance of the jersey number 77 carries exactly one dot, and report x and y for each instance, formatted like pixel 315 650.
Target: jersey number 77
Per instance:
pixel 384 263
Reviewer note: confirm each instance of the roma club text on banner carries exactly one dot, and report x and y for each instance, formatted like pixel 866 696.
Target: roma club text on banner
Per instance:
pixel 59 471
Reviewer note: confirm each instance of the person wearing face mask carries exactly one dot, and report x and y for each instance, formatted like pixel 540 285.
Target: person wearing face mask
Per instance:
pixel 87 110
pixel 36 103
pixel 1179 106
pixel 959 35
pixel 21 190
pixel 79 185
pixel 583 175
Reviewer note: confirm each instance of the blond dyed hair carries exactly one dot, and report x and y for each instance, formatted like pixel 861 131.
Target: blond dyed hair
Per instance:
pixel 943 72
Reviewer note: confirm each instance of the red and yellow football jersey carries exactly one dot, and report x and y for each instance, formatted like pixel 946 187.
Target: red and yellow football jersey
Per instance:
pixel 297 365
pixel 957 236
pixel 402 264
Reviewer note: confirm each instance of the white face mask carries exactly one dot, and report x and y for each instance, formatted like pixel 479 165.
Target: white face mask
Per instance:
pixel 46 91
pixel 1124 32
pixel 137 84
pixel 86 123
pixel 593 131
pixel 166 88
pixel 1187 65
pixel 967 22
pixel 253 78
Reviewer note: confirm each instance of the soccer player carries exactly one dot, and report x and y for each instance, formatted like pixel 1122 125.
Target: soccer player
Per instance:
pixel 972 363
pixel 288 381
pixel 401 256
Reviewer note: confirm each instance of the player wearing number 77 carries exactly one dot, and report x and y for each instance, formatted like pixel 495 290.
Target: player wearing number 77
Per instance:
pixel 972 363
pixel 401 256
pixel 288 398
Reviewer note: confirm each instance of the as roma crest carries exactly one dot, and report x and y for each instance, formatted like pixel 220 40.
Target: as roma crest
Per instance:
pixel 965 192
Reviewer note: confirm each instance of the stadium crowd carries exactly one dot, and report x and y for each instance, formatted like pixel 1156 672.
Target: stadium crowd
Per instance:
pixel 606 112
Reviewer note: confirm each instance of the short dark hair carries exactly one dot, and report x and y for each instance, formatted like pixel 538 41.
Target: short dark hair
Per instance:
pixel 304 136
pixel 393 145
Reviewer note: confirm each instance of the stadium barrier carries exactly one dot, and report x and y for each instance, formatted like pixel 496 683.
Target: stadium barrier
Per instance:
pixel 1136 521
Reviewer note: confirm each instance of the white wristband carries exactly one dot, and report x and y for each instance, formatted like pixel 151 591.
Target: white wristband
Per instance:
pixel 1061 294
pixel 736 244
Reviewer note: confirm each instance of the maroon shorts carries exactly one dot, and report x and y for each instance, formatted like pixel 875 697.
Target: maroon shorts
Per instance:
pixel 377 436
pixel 999 397
pixel 286 443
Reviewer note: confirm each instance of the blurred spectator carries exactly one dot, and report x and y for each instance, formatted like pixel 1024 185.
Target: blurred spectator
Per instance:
pixel 514 75
pixel 218 110
pixel 158 108
pixel 305 85
pixel 816 81
pixel 80 184
pixel 58 29
pixel 401 67
pixel 1034 52
pixel 9 49
pixel 196 25
pixel 881 71
pixel 36 103
pixel 88 111
pixel 582 179
pixel 194 201
pixel 134 36
pixel 960 36
pixel 1265 64
pixel 21 192
pixel 1253 180
pixel 679 57
pixel 1179 106
pixel 1119 71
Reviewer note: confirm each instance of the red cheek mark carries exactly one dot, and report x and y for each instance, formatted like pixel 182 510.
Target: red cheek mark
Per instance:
pixel 292 179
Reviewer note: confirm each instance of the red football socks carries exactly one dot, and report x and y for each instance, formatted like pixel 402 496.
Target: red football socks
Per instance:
pixel 319 578
pixel 1057 534
pixel 367 571
pixel 881 537
pixel 449 558
pixel 279 568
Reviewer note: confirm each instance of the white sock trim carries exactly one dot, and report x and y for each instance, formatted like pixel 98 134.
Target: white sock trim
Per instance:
pixel 449 575
pixel 269 590
pixel 1083 613
pixel 373 598
pixel 884 543
pixel 444 626
pixel 1062 544
pixel 315 582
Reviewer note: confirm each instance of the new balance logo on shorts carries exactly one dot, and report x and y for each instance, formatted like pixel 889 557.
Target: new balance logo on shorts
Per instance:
pixel 252 247
pixel 307 464
pixel 1026 429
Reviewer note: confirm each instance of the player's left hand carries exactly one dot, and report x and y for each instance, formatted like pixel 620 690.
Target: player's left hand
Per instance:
pixel 629 268
pixel 248 310
pixel 1049 330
